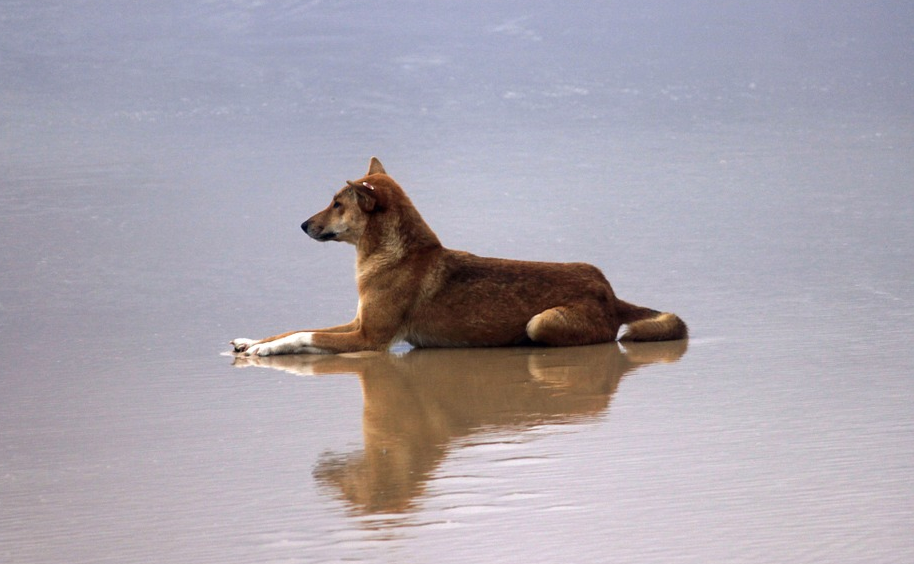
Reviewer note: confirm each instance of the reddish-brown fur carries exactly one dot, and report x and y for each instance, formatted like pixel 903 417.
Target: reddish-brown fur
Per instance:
pixel 412 288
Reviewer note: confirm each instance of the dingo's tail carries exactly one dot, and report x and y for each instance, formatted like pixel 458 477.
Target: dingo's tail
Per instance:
pixel 645 324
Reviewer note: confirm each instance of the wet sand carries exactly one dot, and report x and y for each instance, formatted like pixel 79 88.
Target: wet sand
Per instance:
pixel 149 213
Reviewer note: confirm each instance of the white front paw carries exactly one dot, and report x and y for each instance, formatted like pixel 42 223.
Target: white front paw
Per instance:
pixel 241 344
pixel 296 343
pixel 260 349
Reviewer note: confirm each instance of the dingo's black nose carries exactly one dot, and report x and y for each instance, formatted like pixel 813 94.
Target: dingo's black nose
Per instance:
pixel 304 226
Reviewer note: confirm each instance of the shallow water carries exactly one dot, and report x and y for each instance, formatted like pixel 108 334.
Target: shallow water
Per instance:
pixel 749 170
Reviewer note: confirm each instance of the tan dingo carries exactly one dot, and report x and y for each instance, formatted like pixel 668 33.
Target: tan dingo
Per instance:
pixel 412 288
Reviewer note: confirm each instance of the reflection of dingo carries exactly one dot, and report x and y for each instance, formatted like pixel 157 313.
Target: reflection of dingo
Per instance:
pixel 412 288
pixel 418 404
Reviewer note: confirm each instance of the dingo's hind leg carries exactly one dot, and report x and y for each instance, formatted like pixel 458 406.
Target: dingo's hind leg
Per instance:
pixel 566 326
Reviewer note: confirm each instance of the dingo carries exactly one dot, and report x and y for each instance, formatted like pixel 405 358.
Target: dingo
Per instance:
pixel 412 288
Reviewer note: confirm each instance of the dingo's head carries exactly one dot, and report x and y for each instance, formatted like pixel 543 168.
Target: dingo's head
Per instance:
pixel 374 214
pixel 347 215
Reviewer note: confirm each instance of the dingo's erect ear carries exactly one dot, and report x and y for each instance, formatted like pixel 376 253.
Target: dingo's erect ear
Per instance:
pixel 365 195
pixel 375 167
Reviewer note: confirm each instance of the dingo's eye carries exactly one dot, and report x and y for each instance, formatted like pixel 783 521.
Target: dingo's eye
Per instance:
pixel 336 205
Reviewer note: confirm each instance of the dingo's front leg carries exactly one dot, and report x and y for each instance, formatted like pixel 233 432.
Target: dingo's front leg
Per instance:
pixel 284 344
pixel 294 343
pixel 314 342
